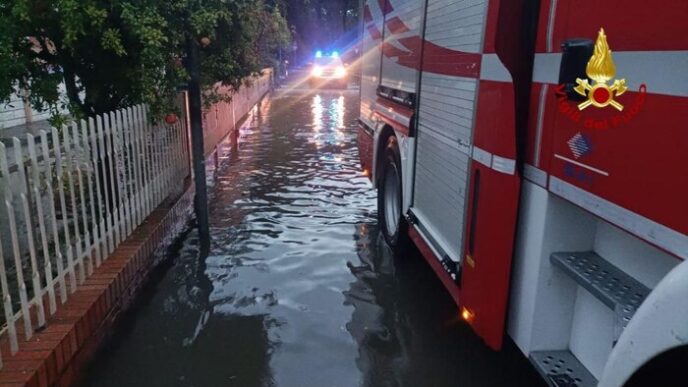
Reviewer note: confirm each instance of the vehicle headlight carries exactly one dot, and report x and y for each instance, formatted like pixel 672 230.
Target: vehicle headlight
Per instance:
pixel 317 71
pixel 340 72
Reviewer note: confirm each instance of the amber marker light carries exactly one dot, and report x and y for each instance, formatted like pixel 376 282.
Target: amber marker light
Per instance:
pixel 467 315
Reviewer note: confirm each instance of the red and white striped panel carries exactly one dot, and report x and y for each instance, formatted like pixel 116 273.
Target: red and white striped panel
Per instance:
pixel 370 62
pixel 446 59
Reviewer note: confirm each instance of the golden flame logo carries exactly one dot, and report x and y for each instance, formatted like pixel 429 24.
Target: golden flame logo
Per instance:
pixel 601 69
pixel 601 66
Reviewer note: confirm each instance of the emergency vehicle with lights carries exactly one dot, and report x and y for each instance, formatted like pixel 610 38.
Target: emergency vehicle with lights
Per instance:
pixel 553 209
pixel 327 70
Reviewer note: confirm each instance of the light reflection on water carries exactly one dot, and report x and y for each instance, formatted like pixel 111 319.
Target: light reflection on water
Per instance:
pixel 297 290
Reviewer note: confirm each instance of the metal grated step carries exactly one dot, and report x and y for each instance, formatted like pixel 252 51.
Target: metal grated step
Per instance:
pixel 562 369
pixel 613 287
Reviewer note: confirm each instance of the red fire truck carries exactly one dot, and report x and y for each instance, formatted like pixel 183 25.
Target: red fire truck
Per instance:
pixel 536 152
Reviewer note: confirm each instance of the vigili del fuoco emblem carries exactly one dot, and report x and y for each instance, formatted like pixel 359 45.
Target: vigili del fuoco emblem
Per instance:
pixel 601 69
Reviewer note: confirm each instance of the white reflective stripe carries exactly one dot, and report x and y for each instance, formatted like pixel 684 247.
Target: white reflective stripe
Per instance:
pixel 492 69
pixel 540 120
pixel 664 72
pixel 498 163
pixel 482 156
pixel 586 166
pixel 536 175
pixel 653 232
pixel 503 165
pixel 550 24
pixel 546 68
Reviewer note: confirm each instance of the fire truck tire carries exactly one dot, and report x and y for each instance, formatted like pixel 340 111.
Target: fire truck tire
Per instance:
pixel 392 223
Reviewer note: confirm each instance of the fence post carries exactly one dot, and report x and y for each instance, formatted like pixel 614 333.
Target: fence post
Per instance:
pixel 41 223
pixel 116 126
pixel 75 211
pixel 63 207
pixel 147 136
pixel 95 235
pixel 112 170
pixel 79 163
pixel 23 196
pixel 59 259
pixel 7 298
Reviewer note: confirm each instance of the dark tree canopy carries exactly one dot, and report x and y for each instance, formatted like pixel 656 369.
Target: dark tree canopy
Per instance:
pixel 323 24
pixel 107 54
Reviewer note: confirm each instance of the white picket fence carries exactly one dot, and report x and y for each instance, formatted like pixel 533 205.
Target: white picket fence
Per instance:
pixel 71 196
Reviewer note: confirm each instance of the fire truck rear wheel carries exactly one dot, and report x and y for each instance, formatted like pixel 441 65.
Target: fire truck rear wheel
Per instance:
pixel 390 198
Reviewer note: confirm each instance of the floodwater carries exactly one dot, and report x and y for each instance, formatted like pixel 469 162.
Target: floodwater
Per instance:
pixel 298 288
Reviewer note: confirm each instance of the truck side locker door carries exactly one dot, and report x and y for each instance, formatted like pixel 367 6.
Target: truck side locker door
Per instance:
pixel 452 46
pixel 493 193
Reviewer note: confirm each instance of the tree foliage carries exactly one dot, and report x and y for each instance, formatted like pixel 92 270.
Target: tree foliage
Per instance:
pixel 107 54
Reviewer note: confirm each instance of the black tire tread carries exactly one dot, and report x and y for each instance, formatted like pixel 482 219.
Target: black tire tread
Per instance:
pixel 400 241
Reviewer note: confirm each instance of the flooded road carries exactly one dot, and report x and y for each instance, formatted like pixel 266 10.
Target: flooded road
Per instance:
pixel 298 289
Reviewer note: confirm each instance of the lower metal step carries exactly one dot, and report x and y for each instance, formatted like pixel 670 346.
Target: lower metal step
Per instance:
pixel 562 369
pixel 612 286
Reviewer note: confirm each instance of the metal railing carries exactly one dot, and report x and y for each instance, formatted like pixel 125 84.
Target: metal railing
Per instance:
pixel 70 196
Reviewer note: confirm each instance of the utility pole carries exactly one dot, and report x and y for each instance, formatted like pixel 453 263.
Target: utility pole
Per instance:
pixel 198 152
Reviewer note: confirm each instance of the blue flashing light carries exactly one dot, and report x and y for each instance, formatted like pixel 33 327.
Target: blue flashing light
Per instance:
pixel 318 54
pixel 335 54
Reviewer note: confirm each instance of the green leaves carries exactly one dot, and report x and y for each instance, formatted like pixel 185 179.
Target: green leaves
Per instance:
pixel 108 54
pixel 112 40
pixel 204 21
pixel 146 23
pixel 21 10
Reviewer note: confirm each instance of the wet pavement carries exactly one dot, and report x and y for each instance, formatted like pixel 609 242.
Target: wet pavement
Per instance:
pixel 298 288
